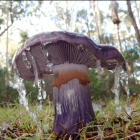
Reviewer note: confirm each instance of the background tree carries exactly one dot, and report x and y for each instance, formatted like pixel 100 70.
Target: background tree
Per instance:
pixel 138 11
pixel 137 33
pixel 131 56
pixel 62 16
pixel 116 22
pixel 96 21
pixel 24 36
pixel 100 22
pixel 17 10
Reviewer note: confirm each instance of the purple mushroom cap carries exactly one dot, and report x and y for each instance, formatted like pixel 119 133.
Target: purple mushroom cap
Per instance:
pixel 102 52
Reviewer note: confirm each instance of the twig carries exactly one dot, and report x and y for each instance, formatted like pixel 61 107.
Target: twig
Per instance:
pixel 130 136
pixel 128 116
pixel 50 135
pixel 12 133
pixel 23 135
pixel 135 111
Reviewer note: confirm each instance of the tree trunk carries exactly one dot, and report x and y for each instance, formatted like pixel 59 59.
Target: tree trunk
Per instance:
pixel 116 22
pixel 7 37
pixel 66 18
pixel 114 13
pixel 9 3
pixel 96 21
pixel 6 76
pixel 88 33
pixel 138 12
pixel 133 22
pixel 130 68
pixel 118 37
pixel 87 23
pixel 99 19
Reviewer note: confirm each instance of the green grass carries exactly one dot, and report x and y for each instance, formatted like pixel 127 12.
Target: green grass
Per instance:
pixel 108 124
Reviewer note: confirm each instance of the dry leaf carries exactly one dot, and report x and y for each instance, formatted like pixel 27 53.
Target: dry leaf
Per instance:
pixel 6 125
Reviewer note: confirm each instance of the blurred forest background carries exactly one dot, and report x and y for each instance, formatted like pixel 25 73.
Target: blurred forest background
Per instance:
pixel 106 22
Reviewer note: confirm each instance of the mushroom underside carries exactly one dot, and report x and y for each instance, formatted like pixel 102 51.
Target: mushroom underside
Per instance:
pixel 56 53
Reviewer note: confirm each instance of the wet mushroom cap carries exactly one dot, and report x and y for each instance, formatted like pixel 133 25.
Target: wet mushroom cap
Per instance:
pixel 48 49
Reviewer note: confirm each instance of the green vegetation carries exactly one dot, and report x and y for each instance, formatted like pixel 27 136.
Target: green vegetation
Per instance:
pixel 16 123
pixel 100 90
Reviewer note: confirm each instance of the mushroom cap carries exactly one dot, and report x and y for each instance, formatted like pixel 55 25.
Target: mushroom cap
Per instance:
pixel 105 53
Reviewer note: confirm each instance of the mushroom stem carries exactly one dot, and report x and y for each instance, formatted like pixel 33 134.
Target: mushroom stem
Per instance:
pixel 72 102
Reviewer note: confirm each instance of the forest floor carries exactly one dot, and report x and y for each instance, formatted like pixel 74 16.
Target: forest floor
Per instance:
pixel 15 123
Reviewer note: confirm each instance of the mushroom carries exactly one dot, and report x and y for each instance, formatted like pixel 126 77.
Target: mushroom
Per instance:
pixel 66 55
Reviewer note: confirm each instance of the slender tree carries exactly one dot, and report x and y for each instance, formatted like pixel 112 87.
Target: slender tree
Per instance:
pixel 6 54
pixel 17 10
pixel 96 21
pixel 138 11
pixel 133 21
pixel 7 11
pixel 62 16
pixel 100 23
pixel 116 22
pixel 131 57
pixel 85 22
